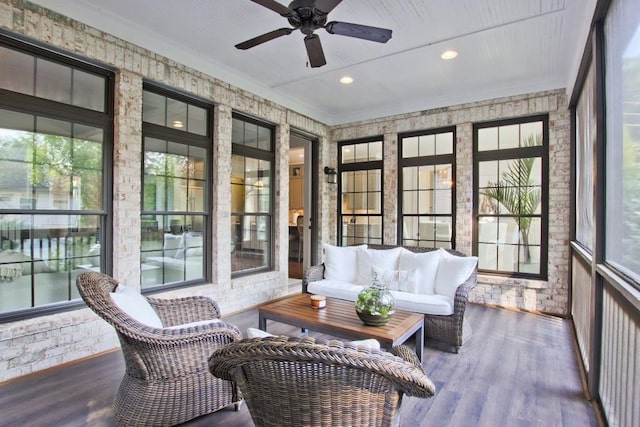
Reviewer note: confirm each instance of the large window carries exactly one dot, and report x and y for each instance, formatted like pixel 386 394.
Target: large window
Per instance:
pixel 585 126
pixel 175 195
pixel 361 196
pixel 510 196
pixel 426 162
pixel 622 82
pixel 55 137
pixel 251 196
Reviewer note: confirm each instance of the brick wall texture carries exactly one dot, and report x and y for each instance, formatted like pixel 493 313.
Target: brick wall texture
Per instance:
pixel 31 345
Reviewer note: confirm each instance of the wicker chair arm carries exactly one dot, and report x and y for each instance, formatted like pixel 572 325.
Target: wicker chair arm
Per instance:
pixel 407 354
pixel 312 274
pixel 179 311
pixel 405 376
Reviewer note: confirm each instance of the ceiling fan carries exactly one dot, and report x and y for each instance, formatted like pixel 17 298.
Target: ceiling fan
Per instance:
pixel 308 16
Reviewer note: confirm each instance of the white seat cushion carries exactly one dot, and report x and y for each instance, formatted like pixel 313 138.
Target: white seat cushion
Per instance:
pixel 136 306
pixel 424 304
pixel 335 289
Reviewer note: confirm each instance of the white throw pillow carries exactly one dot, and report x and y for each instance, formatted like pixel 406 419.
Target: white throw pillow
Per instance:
pixel 136 306
pixel 452 272
pixel 396 280
pixel 382 259
pixel 340 262
pixel 425 268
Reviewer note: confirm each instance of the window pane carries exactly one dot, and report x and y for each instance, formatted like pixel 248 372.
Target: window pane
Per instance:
pixel 585 141
pixel 53 81
pixel 197 121
pixel 176 114
pixel 348 154
pixel 410 147
pixel 88 90
pixel 509 136
pixel 375 150
pixel 42 256
pixel 154 108
pixel 16 71
pixel 622 82
pixel 444 143
pixel 172 249
pixel 488 139
pixel 427 145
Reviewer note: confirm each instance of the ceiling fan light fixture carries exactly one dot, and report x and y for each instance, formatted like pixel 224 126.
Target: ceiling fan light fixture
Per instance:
pixel 449 54
pixel 346 80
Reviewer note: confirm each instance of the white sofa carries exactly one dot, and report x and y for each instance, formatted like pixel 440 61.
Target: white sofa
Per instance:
pixel 433 282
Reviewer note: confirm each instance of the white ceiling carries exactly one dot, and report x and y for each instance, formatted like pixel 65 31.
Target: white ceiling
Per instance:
pixel 506 47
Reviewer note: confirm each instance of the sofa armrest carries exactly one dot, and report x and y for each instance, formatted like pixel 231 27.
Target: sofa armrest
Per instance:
pixel 462 295
pixel 312 274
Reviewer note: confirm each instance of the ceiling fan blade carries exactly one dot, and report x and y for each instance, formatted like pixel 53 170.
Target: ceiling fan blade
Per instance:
pixel 275 6
pixel 374 34
pixel 326 6
pixel 314 51
pixel 264 38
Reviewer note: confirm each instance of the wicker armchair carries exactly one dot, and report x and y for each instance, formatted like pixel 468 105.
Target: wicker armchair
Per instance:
pixel 298 382
pixel 453 330
pixel 166 381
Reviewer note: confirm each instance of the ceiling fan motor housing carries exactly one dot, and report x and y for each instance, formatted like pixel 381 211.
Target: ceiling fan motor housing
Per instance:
pixel 306 17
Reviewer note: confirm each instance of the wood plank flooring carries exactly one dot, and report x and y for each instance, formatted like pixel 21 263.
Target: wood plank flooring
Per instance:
pixel 517 369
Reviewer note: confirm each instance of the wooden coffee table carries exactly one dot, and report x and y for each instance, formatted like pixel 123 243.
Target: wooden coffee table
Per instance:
pixel 339 319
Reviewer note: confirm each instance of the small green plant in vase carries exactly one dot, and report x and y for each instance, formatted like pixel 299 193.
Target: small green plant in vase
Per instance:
pixel 375 304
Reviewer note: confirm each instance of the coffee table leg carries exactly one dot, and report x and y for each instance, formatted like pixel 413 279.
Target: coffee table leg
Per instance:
pixel 262 322
pixel 420 342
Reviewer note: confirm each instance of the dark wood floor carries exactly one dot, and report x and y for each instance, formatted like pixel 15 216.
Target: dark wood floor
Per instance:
pixel 517 369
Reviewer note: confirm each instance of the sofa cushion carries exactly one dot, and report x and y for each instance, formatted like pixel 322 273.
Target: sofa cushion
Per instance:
pixel 335 289
pixel 340 262
pixel 135 306
pixel 452 272
pixel 425 266
pixel 383 259
pixel 425 304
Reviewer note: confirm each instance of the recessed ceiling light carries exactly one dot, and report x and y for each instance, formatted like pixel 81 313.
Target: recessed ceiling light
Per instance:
pixel 346 80
pixel 177 124
pixel 449 54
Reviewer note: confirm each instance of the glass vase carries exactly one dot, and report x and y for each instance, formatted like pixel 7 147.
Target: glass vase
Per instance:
pixel 375 304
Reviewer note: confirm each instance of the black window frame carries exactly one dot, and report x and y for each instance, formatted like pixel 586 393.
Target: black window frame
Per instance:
pixel 184 137
pixel 264 155
pixel 360 166
pixel 437 159
pixel 46 108
pixel 509 154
